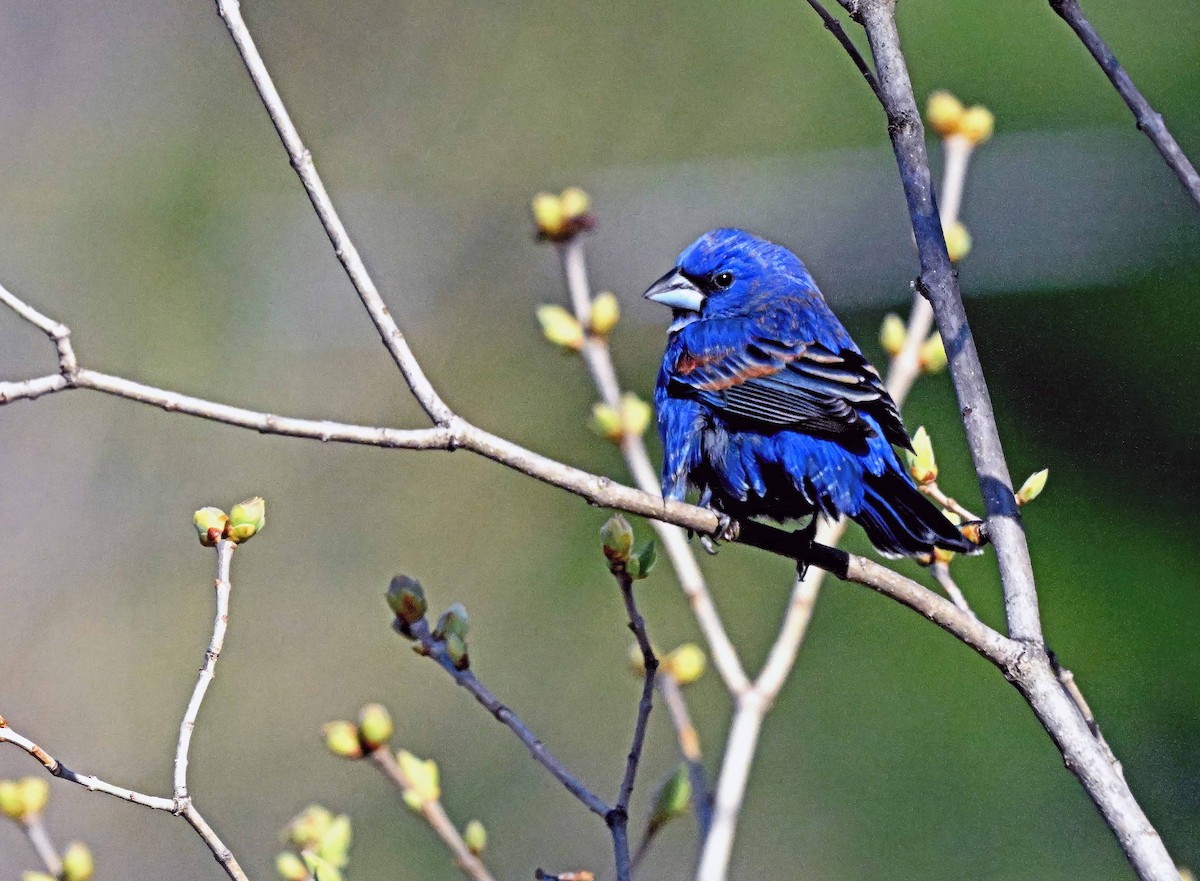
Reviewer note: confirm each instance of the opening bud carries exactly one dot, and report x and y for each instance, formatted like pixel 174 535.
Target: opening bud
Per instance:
pixel 308 826
pixel 475 837
pixel 35 792
pixel 374 725
pixel 210 525
pixel 616 536
pixel 334 846
pixel 672 797
pixel 290 867
pixel 606 312
pixel 643 560
pixel 246 519
pixel 406 599
pixel 423 779
pixel 921 463
pixel 452 622
pixel 341 738
pixel 77 862
pixel 560 327
pixel 1032 487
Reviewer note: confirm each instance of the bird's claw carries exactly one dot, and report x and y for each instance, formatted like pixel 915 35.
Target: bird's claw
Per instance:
pixel 727 530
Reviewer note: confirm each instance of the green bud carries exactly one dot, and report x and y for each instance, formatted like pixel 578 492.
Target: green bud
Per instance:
pixel 672 797
pixel 406 599
pixel 334 846
pixel 685 664
pixel 290 867
pixel 320 869
pixel 932 355
pixel 643 560
pixel 11 803
pixel 307 827
pixel 246 519
pixel 456 650
pixel 35 793
pixel 341 738
pixel 617 537
pixel 210 525
pixel 374 725
pixel 77 862
pixel 423 779
pixel 452 621
pixel 892 334
pixel 921 463
pixel 475 837
pixel 37 876
pixel 1032 487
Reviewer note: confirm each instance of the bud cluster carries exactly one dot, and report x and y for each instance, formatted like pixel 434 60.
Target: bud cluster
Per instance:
pixel 947 116
pixel 23 799
pixel 559 218
pixel 630 418
pixel 244 521
pixel 353 741
pixel 321 846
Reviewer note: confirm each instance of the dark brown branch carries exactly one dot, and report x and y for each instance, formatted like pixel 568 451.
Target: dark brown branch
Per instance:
pixel 1148 119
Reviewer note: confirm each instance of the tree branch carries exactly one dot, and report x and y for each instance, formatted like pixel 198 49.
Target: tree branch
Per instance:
pixel 1148 119
pixel 839 33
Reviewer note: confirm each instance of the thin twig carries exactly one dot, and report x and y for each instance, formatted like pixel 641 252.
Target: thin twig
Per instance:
pixel 436 650
pixel 598 358
pixel 941 573
pixel 343 245
pixel 435 815
pixel 689 747
pixel 225 550
pixel 1148 119
pixel 835 27
pixel 39 837
pixel 618 819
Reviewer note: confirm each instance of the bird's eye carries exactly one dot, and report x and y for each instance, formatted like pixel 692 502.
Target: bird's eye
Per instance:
pixel 723 279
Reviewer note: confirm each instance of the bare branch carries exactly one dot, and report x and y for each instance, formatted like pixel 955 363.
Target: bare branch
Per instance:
pixel 433 812
pixel 35 830
pixel 941 573
pixel 343 245
pixel 689 747
pixel 1148 119
pixel 839 33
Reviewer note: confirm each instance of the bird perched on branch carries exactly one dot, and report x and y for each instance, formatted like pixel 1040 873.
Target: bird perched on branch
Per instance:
pixel 768 408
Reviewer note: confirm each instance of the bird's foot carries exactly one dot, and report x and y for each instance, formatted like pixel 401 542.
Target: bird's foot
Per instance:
pixel 727 530
pixel 806 534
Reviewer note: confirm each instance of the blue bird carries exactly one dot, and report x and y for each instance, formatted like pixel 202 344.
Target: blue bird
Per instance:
pixel 768 408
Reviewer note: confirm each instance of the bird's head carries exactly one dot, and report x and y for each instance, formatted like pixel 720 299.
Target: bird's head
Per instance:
pixel 724 273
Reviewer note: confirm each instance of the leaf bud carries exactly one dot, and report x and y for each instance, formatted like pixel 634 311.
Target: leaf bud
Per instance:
pixel 322 870
pixel 977 124
pixel 605 313
pixel 77 862
pixel 246 519
pixel 635 415
pixel 12 805
pixel 290 867
pixel 672 796
pixel 560 327
pixel 306 828
pixel 35 793
pixel 406 599
pixel 892 334
pixel 616 536
pixel 643 560
pixel 958 240
pixel 456 651
pixel 1032 487
pixel 334 846
pixel 374 725
pixel 210 525
pixel 944 113
pixel 422 776
pixel 606 422
pixel 921 463
pixel 575 203
pixel 475 837
pixel 932 356
pixel 549 215
pixel 453 621
pixel 686 663
pixel 341 738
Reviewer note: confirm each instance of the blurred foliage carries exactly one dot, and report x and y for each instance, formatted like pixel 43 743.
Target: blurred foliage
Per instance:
pixel 149 205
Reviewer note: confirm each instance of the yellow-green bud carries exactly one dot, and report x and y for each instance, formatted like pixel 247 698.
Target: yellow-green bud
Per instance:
pixel 374 725
pixel 921 463
pixel 941 555
pixel 452 621
pixel 1032 487
pixel 686 663
pixel 35 792
pixel 406 599
pixel 456 651
pixel 636 660
pixel 77 862
pixel 12 805
pixel 210 525
pixel 246 519
pixel 672 796
pixel 290 867
pixel 605 313
pixel 475 837
pixel 977 124
pixel 423 779
pixel 320 869
pixel 606 422
pixel 334 846
pixel 307 827
pixel 932 355
pixel 958 240
pixel 643 560
pixel 635 415
pixel 341 738
pixel 37 876
pixel 616 537
pixel 549 215
pixel 892 334
pixel 560 327
pixel 944 113
pixel 575 202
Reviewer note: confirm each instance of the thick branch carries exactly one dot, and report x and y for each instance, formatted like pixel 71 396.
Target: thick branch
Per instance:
pixel 1148 119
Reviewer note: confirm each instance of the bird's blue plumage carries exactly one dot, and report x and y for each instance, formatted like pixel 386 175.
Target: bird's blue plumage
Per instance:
pixel 767 406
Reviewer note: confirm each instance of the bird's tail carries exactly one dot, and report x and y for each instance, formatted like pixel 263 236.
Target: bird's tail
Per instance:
pixel 901 522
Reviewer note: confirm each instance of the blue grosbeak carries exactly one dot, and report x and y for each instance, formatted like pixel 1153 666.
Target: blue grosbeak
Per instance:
pixel 768 407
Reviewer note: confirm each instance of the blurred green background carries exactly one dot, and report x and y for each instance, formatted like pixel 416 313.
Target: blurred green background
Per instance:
pixel 148 204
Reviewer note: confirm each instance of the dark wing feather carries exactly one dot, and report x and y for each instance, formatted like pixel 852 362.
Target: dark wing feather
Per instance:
pixel 803 387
